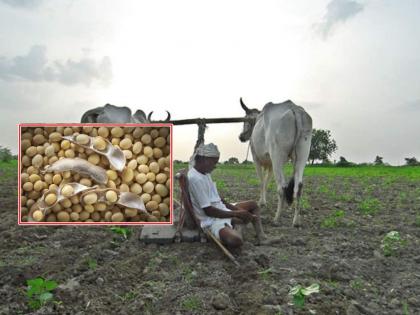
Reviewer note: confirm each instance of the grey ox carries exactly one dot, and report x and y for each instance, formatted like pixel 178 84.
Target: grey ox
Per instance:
pixel 277 133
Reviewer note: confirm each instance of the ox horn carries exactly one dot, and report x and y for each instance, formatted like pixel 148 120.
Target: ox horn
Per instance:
pixel 149 117
pixel 246 109
pixel 168 118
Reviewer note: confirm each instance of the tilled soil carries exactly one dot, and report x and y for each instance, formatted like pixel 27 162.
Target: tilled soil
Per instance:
pixel 101 273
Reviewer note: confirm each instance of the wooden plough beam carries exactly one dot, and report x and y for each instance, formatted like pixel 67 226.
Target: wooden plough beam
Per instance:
pixel 207 121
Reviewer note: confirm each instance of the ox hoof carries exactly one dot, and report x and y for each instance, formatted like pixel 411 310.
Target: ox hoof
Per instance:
pixel 275 223
pixel 297 222
pixel 262 203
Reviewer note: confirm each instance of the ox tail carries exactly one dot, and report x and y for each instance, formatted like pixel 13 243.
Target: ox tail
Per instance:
pixel 288 191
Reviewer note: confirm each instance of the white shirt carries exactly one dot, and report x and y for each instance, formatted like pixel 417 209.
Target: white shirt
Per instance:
pixel 203 194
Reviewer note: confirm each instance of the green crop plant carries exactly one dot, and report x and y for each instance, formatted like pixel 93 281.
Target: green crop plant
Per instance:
pixel 300 293
pixel 265 274
pixel 124 232
pixel 39 292
pixel 191 303
pixel 92 263
pixel 391 243
pixel 332 220
pixel 370 206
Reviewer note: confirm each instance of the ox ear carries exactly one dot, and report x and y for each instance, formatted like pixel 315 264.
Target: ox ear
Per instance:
pixel 246 109
pixel 91 115
pixel 115 114
pixel 140 116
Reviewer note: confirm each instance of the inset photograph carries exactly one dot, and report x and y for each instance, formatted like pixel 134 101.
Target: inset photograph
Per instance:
pixel 95 174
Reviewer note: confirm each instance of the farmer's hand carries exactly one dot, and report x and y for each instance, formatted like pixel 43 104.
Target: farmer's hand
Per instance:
pixel 244 215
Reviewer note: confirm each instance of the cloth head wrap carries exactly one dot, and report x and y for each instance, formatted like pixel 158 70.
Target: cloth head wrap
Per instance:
pixel 207 150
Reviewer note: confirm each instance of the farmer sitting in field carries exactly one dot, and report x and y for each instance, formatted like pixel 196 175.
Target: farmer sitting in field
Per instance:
pixel 214 213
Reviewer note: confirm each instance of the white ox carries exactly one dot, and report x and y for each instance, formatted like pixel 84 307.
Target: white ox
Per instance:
pixel 277 133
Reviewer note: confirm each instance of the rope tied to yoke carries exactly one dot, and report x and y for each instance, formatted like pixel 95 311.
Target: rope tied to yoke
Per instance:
pixel 201 130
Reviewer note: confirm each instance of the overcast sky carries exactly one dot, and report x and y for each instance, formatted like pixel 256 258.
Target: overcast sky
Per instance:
pixel 353 65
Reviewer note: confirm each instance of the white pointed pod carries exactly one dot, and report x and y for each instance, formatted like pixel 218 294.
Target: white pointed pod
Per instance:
pixel 43 205
pixel 114 155
pixel 80 166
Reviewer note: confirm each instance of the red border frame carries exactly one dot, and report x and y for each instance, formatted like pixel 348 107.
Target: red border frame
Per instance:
pixel 95 125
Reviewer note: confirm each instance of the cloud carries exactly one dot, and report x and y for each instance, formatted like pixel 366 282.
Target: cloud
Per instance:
pixel 35 67
pixel 412 105
pixel 27 4
pixel 337 11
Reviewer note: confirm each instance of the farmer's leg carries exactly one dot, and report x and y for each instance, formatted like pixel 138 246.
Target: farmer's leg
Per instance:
pixel 253 207
pixel 223 230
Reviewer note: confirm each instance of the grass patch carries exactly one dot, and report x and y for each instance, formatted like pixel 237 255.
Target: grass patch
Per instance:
pixel 370 206
pixel 333 220
pixel 191 303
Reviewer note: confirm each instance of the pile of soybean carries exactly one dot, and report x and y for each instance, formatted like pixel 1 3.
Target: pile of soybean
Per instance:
pixel 146 173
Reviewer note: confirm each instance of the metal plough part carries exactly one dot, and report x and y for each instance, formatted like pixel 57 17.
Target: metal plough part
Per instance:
pixel 114 154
